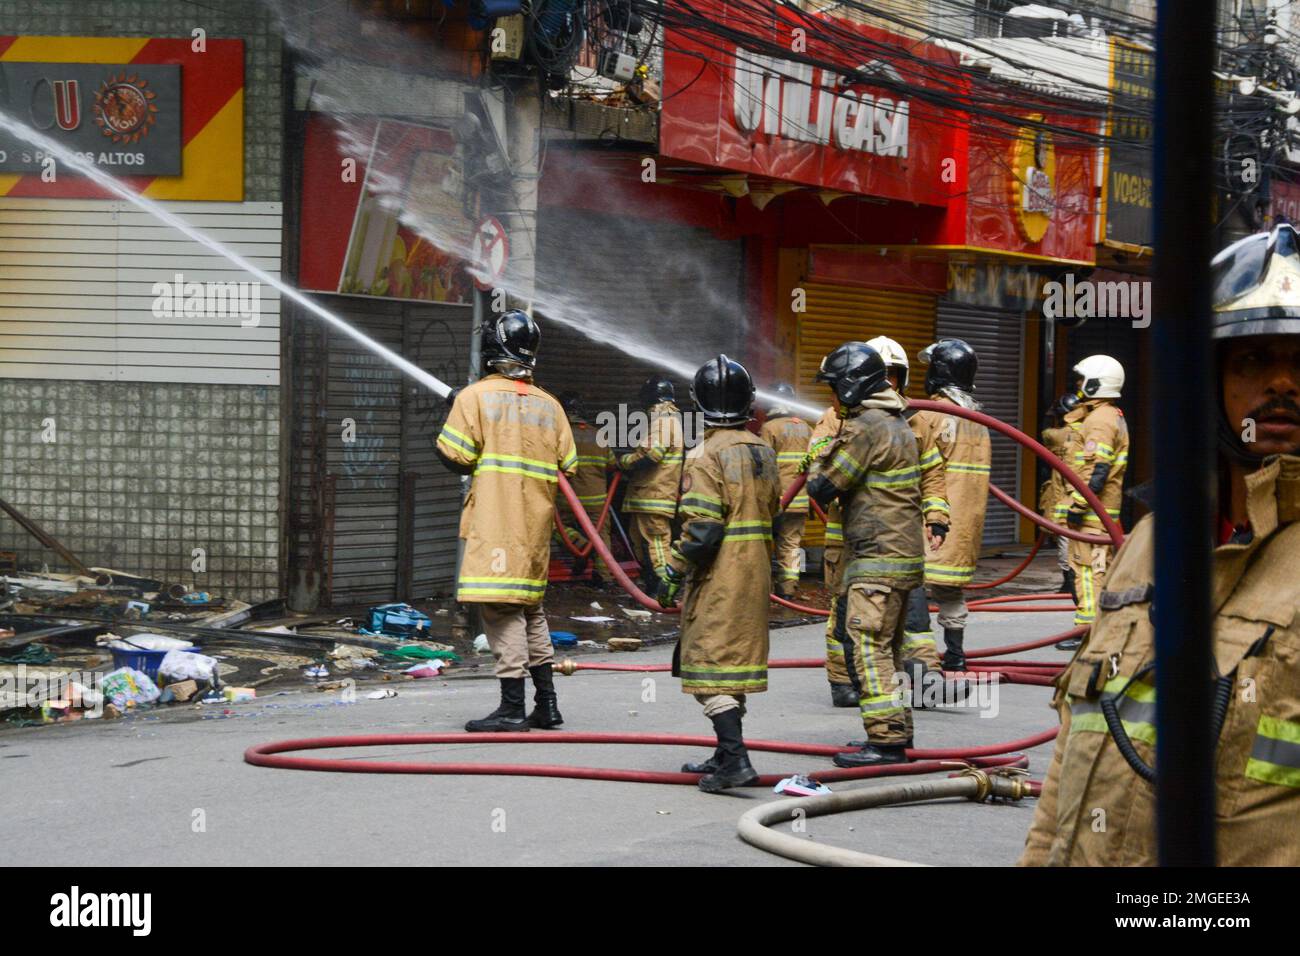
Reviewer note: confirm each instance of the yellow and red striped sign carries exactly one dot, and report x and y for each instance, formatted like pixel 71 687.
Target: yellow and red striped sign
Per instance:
pixel 212 114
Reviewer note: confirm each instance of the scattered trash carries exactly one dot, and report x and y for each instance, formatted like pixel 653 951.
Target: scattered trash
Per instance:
pixel 196 597
pixel 381 694
pixel 594 619
pixel 316 671
pixel 637 613
pixel 664 813
pixel 801 786
pixel 182 691
pixel 127 687
pixel 481 644
pixel 399 620
pixel 237 695
pixel 563 638
pixel 595 606
pixel 425 669
pixel 624 644
pixel 144 642
pixel 421 652
pixel 588 644
pixel 136 610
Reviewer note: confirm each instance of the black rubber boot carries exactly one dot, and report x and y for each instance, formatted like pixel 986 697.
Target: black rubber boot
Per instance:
pixel 708 766
pixel 509 716
pixel 547 713
pixel 843 695
pixel 735 769
pixel 873 755
pixel 954 657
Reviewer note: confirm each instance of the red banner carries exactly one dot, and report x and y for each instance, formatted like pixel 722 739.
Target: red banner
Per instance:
pixel 737 109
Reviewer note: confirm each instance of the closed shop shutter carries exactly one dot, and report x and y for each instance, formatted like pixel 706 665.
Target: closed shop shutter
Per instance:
pixel 373 519
pixel 837 314
pixel 996 335
pixel 641 289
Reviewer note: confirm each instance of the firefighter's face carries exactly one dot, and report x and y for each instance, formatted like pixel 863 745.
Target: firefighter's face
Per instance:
pixel 1261 384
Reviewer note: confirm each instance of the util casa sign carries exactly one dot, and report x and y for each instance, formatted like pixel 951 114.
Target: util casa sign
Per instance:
pixel 803 103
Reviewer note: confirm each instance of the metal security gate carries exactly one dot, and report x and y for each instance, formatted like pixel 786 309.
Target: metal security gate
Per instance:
pixel 643 289
pixel 837 313
pixel 997 336
pixel 372 513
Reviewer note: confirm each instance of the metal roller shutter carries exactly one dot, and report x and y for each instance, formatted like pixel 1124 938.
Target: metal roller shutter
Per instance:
pixel 996 335
pixel 652 287
pixel 374 519
pixel 842 313
pixel 837 314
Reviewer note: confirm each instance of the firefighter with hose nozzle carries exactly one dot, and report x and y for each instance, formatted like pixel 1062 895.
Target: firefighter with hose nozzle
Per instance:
pixel 514 439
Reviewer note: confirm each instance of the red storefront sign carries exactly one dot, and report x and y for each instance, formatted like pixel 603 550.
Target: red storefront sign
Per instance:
pixel 737 109
pixel 1283 203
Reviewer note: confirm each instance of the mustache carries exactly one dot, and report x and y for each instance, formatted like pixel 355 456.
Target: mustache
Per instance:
pixel 1279 404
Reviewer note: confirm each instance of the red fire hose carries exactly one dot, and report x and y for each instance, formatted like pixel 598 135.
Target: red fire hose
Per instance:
pixel 600 524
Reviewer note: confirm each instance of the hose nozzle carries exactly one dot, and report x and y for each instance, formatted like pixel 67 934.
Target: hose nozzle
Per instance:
pixel 567 667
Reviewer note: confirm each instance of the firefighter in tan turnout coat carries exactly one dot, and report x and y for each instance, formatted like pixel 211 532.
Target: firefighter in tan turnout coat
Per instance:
pixel 837 638
pixel 1256 606
pixel 730 493
pixel 789 435
pixel 514 439
pixel 873 467
pixel 589 481
pixel 654 470
pixel 961 450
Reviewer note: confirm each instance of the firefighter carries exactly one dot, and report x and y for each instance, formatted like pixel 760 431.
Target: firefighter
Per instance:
pixel 873 467
pixel 1256 592
pixel 654 470
pixel 962 451
pixel 514 439
pixel 721 565
pixel 837 638
pixel 789 436
pixel 589 482
pixel 919 654
pixel 1097 450
pixel 1056 436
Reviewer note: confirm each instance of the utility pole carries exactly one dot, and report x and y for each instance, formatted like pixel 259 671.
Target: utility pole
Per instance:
pixel 1186 488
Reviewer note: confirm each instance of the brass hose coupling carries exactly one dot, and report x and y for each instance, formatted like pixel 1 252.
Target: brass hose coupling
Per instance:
pixel 567 667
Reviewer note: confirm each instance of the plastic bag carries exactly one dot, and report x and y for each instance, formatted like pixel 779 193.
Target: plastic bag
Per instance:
pixel 183 665
pixel 150 642
pixel 127 687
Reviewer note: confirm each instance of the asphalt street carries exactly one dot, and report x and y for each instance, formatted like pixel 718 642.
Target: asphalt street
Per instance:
pixel 152 789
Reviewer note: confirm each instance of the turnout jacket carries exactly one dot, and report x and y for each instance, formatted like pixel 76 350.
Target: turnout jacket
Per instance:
pixel 730 493
pixel 1256 606
pixel 827 427
pixel 1098 434
pixel 874 464
pixel 654 467
pixel 516 438
pixel 789 437
pixel 588 481
pixel 960 449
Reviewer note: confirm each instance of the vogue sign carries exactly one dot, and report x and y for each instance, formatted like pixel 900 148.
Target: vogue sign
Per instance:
pixel 803 103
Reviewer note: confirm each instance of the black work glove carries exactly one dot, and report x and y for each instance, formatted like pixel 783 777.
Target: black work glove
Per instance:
pixel 451 397
pixel 1074 517
pixel 939 531
pixel 669 587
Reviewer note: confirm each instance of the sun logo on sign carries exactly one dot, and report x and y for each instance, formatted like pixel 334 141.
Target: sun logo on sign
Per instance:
pixel 125 108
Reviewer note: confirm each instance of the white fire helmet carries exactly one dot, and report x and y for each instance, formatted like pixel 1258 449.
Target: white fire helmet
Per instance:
pixel 1103 377
pixel 894 356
